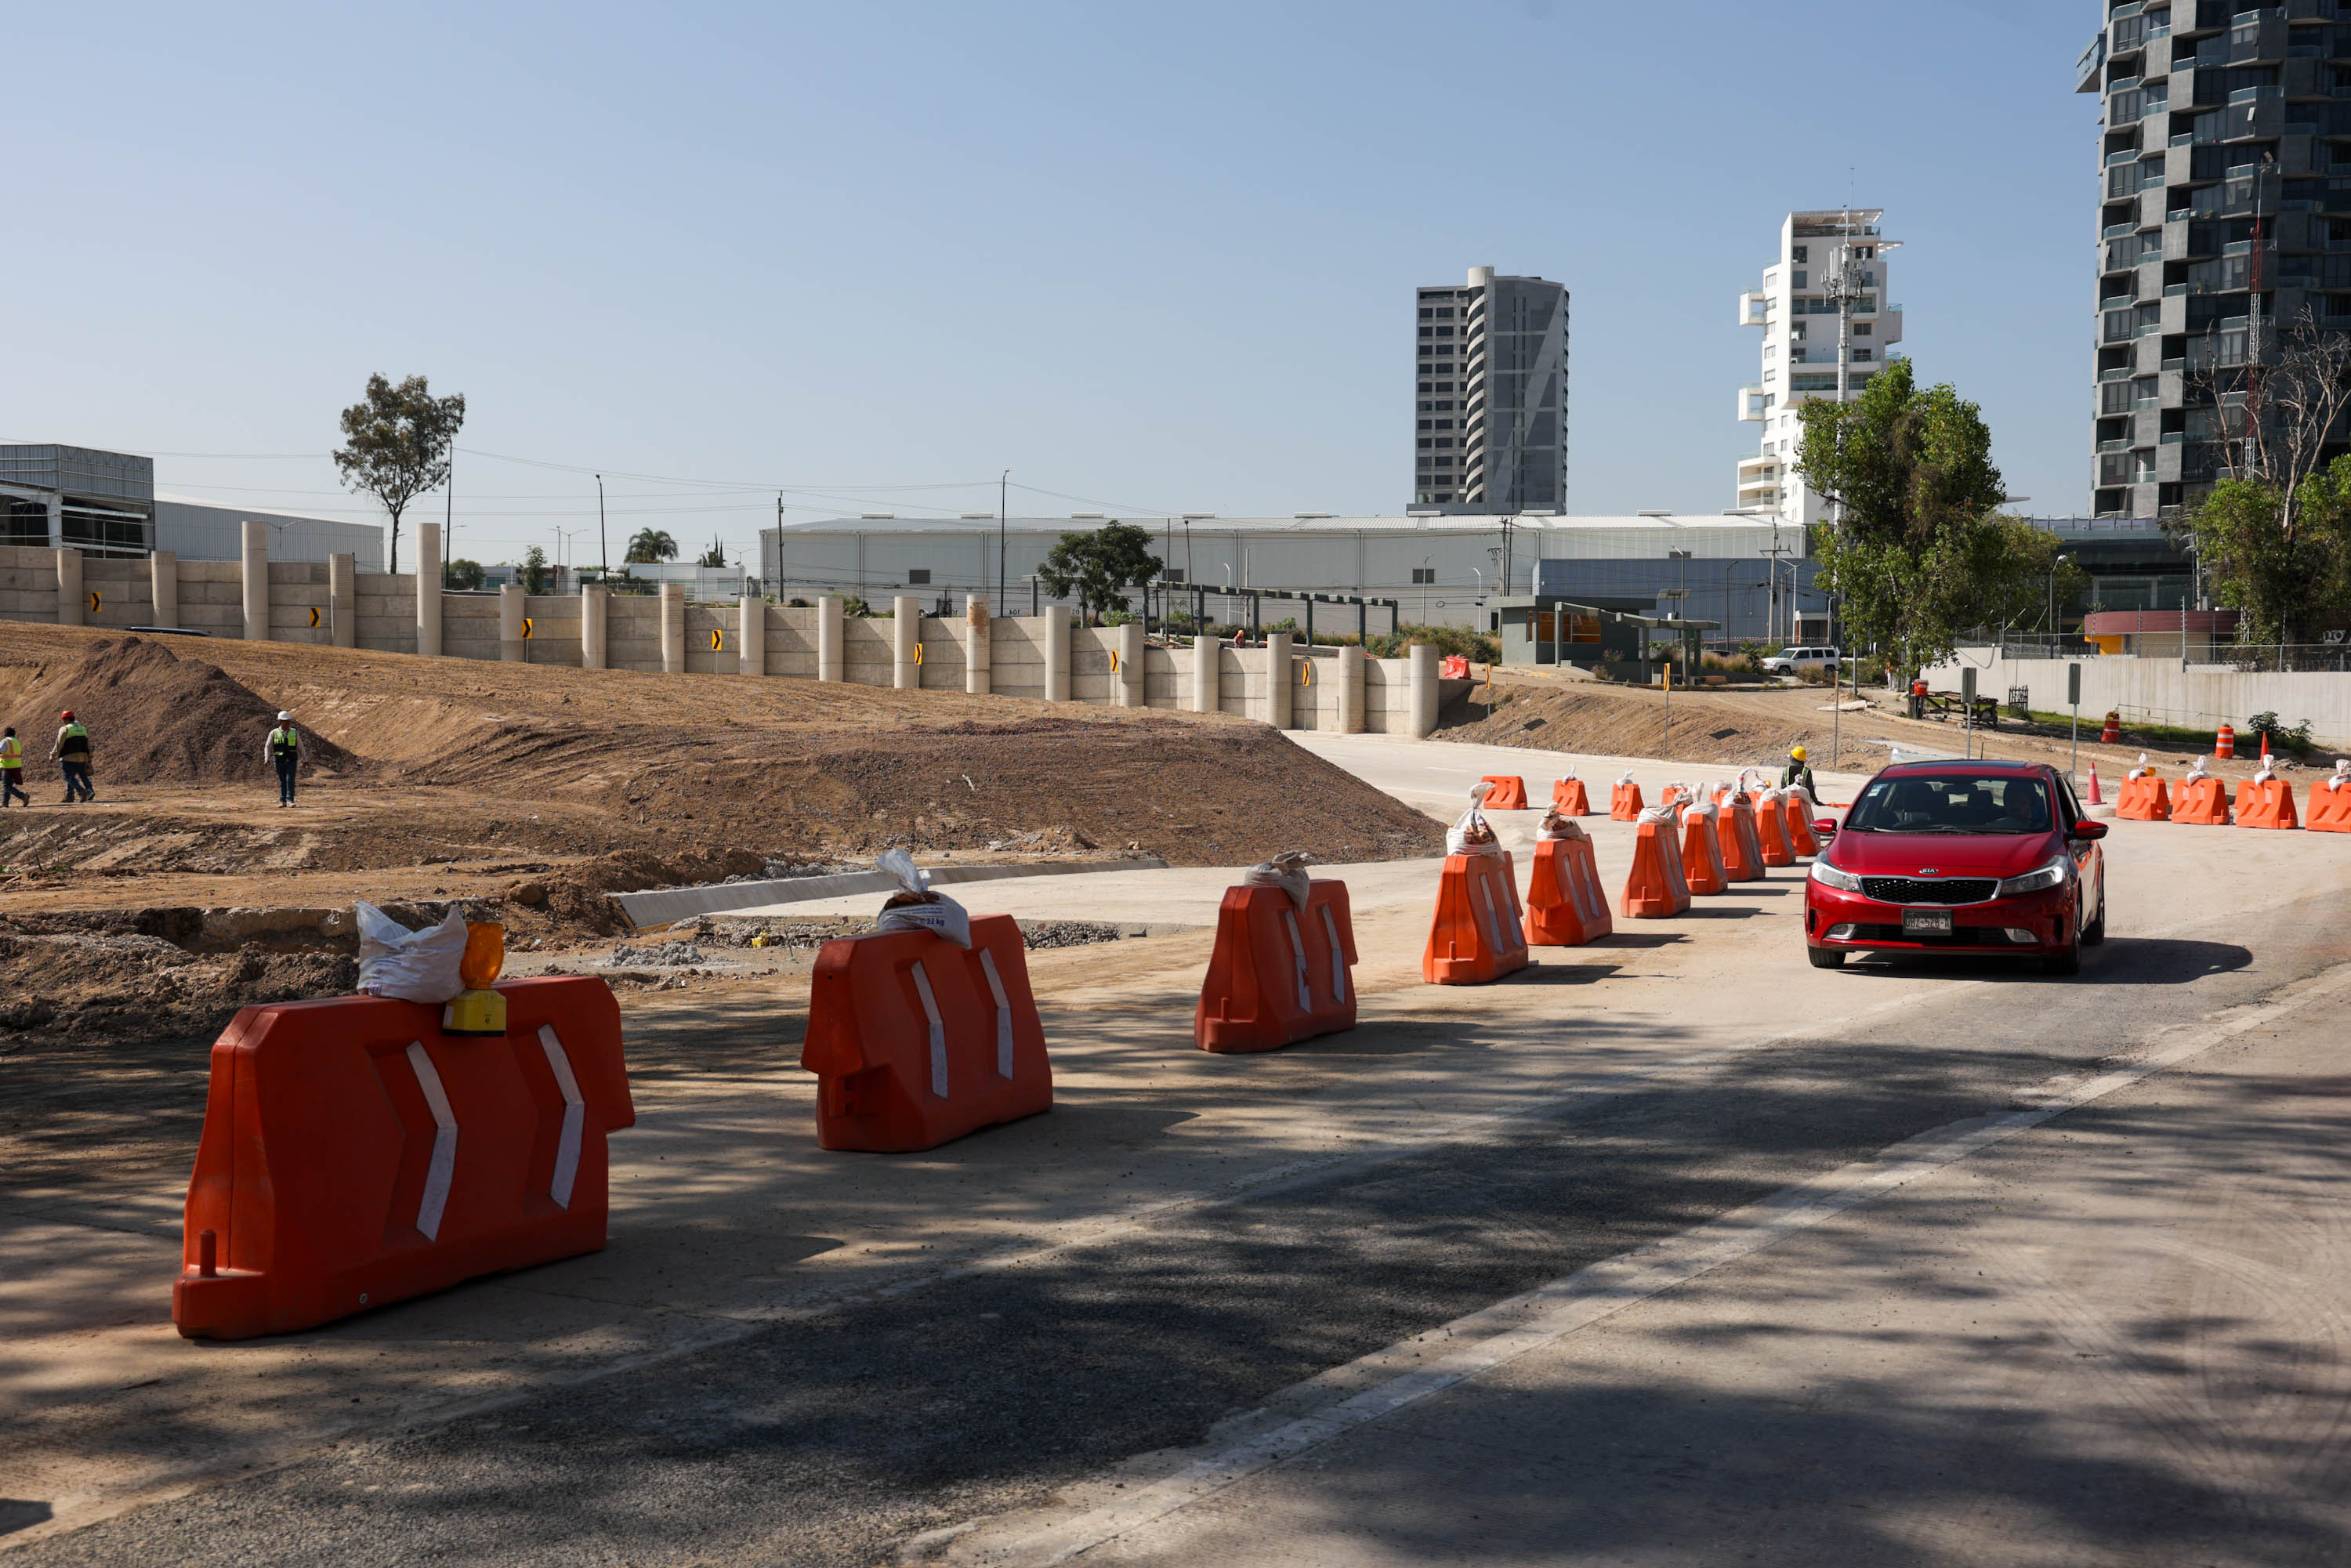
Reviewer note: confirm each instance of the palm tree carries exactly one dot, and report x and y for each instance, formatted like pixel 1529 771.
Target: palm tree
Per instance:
pixel 651 545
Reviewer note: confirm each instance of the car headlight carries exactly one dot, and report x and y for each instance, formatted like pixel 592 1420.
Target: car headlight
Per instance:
pixel 1828 875
pixel 2053 874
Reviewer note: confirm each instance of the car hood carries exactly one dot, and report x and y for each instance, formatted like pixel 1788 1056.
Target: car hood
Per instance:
pixel 1943 854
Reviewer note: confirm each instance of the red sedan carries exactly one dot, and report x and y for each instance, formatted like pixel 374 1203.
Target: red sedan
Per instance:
pixel 1970 857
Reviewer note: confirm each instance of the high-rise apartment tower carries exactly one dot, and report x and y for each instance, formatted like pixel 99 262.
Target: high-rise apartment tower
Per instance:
pixel 1827 329
pixel 2219 171
pixel 1491 391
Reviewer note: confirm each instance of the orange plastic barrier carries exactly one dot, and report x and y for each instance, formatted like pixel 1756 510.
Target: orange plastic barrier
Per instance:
pixel 1657 888
pixel 1702 863
pixel 2201 802
pixel 1278 973
pixel 2330 810
pixel 1567 795
pixel 1624 803
pixel 2144 800
pixel 2266 804
pixel 1566 905
pixel 1453 667
pixel 1798 813
pixel 1510 794
pixel 1477 934
pixel 1772 829
pixel 354 1154
pixel 1742 846
pixel 917 1041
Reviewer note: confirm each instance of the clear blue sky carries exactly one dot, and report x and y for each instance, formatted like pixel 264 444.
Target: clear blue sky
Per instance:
pixel 1157 258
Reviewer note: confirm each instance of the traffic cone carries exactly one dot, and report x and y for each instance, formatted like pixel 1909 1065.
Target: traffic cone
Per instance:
pixel 2096 798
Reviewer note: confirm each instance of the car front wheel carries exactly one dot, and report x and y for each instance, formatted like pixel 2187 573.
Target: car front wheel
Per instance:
pixel 1825 957
pixel 2066 962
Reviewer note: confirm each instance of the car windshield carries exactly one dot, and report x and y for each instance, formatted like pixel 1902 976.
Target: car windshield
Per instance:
pixel 1939 804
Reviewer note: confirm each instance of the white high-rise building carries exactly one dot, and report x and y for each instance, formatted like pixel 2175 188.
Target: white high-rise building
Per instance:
pixel 1826 293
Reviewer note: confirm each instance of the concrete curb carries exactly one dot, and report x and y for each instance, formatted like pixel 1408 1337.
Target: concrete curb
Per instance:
pixel 665 905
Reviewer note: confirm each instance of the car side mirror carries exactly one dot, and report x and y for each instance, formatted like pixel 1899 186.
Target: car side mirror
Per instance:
pixel 2087 830
pixel 1824 827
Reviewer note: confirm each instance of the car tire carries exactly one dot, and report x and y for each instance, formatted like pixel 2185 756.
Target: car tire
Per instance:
pixel 1825 957
pixel 2066 962
pixel 2096 931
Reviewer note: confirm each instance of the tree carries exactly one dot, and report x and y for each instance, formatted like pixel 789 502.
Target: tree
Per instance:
pixel 534 571
pixel 461 575
pixel 715 556
pixel 1098 567
pixel 396 445
pixel 2273 537
pixel 1919 553
pixel 651 545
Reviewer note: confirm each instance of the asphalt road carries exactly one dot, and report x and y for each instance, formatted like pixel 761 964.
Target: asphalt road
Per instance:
pixel 837 1437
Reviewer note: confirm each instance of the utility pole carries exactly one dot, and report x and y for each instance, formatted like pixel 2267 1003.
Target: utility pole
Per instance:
pixel 1002 483
pixel 604 544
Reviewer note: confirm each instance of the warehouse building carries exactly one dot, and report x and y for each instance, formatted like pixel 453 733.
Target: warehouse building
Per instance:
pixel 105 504
pixel 1440 570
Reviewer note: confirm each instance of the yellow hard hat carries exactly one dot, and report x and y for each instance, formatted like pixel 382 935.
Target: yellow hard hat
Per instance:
pixel 1797 752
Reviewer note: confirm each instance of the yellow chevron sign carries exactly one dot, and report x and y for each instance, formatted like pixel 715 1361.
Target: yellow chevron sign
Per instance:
pixel 94 602
pixel 526 624
pixel 717 642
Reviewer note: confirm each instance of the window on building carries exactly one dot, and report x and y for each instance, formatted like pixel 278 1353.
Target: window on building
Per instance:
pixel 1428 425
pixel 1445 315
pixel 1423 574
pixel 1426 406
pixel 1426 313
pixel 1799 280
pixel 918 577
pixel 1171 574
pixel 1800 252
pixel 1864 329
pixel 1428 331
pixel 1424 441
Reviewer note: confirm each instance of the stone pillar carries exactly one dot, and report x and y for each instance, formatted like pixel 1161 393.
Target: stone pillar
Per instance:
pixel 512 601
pixel 905 640
pixel 1278 677
pixel 828 666
pixel 1207 678
pixel 1056 652
pixel 1127 689
pixel 673 628
pixel 71 605
pixel 343 601
pixel 428 590
pixel 163 586
pixel 751 635
pixel 256 582
pixel 1345 714
pixel 594 600
pixel 978 644
pixel 1423 685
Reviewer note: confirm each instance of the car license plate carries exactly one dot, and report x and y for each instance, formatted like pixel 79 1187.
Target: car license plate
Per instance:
pixel 1926 923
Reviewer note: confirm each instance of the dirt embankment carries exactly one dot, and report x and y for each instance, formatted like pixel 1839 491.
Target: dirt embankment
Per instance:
pixel 1739 729
pixel 449 778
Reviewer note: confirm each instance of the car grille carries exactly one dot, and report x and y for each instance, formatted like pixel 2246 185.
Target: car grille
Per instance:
pixel 1911 890
pixel 1964 936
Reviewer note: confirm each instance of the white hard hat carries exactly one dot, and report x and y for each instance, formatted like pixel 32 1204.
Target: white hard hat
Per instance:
pixel 283 715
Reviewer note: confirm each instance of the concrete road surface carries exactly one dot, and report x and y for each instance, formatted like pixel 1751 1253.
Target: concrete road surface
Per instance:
pixel 1670 1249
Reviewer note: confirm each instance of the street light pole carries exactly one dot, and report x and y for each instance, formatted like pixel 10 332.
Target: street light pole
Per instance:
pixel 604 544
pixel 1002 539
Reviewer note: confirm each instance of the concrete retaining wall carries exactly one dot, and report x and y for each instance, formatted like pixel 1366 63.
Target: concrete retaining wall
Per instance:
pixel 1103 665
pixel 2159 691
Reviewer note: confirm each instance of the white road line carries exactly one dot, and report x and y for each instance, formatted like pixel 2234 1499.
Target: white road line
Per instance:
pixel 1510 1329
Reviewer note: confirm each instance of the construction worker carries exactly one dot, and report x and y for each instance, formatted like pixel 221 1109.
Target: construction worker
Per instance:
pixel 70 752
pixel 1800 772
pixel 284 750
pixel 12 769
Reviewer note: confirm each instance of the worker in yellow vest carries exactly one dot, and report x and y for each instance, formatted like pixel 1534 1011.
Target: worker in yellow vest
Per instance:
pixel 12 769
pixel 70 752
pixel 284 750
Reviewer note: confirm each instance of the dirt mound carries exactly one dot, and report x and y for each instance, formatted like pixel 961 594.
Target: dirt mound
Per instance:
pixel 131 987
pixel 1733 729
pixel 156 718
